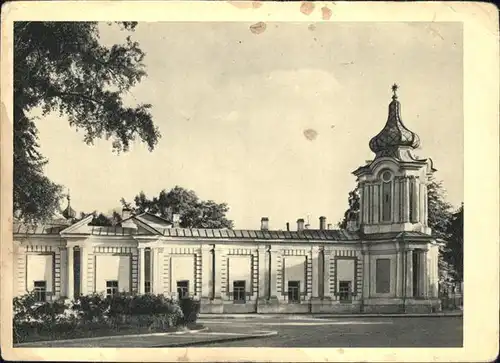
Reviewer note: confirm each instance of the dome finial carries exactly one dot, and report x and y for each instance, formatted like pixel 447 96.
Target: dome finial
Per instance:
pixel 69 213
pixel 394 88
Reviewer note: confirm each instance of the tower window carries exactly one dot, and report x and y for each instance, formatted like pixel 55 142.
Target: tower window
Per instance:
pixel 386 201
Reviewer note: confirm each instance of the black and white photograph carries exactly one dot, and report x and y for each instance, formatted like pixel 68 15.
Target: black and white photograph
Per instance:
pixel 242 183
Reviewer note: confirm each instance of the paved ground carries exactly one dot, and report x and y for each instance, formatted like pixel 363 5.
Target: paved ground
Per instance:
pixel 294 331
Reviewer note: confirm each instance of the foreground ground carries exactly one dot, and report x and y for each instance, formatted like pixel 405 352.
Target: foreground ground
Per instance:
pixel 294 331
pixel 345 332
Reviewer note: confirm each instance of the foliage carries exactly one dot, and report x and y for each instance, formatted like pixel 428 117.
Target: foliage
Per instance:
pixel 352 212
pixel 193 212
pixel 62 67
pixel 86 313
pixel 190 310
pixel 453 253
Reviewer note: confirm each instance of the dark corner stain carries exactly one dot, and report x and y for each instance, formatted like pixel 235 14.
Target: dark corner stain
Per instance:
pixel 310 134
pixel 326 13
pixel 258 28
pixel 306 7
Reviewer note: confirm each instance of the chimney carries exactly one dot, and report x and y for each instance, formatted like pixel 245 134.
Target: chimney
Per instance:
pixel 329 226
pixel 264 224
pixel 300 224
pixel 322 223
pixel 176 219
pixel 288 226
pixel 126 213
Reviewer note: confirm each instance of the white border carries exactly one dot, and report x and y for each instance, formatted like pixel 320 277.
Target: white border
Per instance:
pixel 481 110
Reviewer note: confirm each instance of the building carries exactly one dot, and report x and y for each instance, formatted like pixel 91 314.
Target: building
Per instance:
pixel 385 261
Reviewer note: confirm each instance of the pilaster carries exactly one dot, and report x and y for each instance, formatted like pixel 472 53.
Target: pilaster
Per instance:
pixel 207 273
pixel 71 275
pixel 262 252
pixel 396 201
pixel 406 201
pixel 315 272
pixel 142 272
pixel 409 273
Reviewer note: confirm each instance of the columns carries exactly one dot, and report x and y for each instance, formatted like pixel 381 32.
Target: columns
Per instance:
pixel 273 271
pixel 157 270
pixel 207 271
pixel 396 201
pixel 421 203
pixel 426 206
pixel 361 203
pixel 262 252
pixel 366 203
pixel 316 278
pixel 422 272
pixel 376 203
pixel 366 272
pixel 409 273
pixel 406 199
pixel 70 291
pixel 218 273
pixel 142 273
pixel 415 200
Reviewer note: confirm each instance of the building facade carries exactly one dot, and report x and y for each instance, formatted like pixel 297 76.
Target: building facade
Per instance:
pixel 386 260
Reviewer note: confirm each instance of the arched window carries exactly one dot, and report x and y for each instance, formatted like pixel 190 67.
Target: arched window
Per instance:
pixel 386 196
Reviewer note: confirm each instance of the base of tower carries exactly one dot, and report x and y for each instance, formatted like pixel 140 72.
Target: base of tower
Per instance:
pixel 401 306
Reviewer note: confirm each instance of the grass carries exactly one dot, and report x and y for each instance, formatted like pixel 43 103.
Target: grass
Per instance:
pixel 94 332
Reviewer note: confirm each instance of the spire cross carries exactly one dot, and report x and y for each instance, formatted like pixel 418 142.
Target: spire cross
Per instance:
pixel 394 88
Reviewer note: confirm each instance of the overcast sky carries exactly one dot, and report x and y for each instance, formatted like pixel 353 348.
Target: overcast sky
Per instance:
pixel 232 107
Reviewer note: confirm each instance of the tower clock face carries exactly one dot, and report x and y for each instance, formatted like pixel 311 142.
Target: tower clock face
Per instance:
pixel 386 176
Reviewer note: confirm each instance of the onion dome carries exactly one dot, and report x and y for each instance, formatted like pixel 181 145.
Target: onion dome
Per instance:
pixel 395 135
pixel 69 213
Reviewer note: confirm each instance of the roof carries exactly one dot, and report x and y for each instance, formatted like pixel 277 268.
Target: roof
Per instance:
pixel 49 228
pixel 309 234
pixel 395 235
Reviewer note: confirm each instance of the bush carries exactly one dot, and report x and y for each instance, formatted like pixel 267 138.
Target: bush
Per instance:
pixel 190 310
pixel 54 320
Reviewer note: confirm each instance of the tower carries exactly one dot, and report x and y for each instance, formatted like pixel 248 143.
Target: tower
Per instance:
pixel 393 186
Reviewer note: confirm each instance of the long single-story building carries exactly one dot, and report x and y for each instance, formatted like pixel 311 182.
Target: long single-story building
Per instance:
pixel 386 260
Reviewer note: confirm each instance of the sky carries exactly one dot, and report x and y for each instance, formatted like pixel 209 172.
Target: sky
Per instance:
pixel 234 109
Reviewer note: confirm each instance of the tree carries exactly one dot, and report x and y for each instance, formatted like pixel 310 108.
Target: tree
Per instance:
pixel 353 210
pixel 193 212
pixel 454 251
pixel 61 67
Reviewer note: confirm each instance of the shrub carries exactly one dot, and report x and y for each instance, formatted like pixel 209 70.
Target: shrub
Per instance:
pixel 91 307
pixel 190 310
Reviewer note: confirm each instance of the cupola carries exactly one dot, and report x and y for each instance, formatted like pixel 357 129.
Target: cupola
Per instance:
pixel 395 140
pixel 69 213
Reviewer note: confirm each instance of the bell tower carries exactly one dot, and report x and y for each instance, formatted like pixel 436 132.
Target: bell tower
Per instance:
pixel 393 186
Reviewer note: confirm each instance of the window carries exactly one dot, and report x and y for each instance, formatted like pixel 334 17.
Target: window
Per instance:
pixel 383 276
pixel 183 289
pixel 40 290
pixel 111 288
pixel 345 291
pixel 239 291
pixel 76 271
pixel 294 291
pixel 386 202
pixel 147 270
